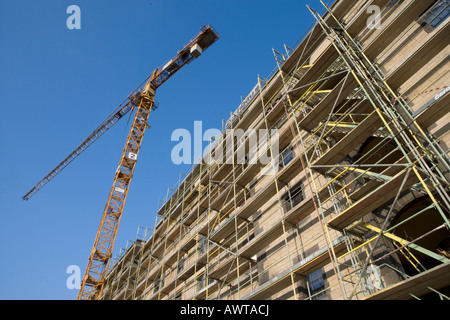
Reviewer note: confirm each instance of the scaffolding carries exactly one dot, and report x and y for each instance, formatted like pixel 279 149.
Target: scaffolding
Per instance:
pixel 357 169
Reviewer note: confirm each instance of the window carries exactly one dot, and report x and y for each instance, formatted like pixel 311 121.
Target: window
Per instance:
pixel 201 245
pixel 181 263
pixel 435 15
pixel 201 282
pixel 285 157
pixel 159 282
pixel 316 284
pixel 295 195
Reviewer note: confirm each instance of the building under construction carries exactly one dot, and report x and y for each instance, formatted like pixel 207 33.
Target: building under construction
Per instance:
pixel 358 206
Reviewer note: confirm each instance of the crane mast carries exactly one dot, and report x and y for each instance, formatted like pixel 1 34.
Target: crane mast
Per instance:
pixel 92 283
pixel 142 100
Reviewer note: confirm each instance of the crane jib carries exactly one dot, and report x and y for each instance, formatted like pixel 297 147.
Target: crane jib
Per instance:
pixel 189 52
pixel 105 126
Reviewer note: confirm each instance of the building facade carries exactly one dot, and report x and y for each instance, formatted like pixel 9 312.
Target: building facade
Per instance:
pixel 355 202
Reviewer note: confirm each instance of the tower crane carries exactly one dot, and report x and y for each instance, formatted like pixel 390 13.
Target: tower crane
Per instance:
pixel 142 101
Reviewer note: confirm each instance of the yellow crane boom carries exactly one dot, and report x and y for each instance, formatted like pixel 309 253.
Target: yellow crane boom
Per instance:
pixel 143 101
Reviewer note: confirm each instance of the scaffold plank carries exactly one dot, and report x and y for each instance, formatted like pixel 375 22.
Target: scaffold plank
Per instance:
pixel 373 200
pixel 436 278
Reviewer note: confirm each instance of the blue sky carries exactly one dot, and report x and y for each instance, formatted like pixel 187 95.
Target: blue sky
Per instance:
pixel 57 85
